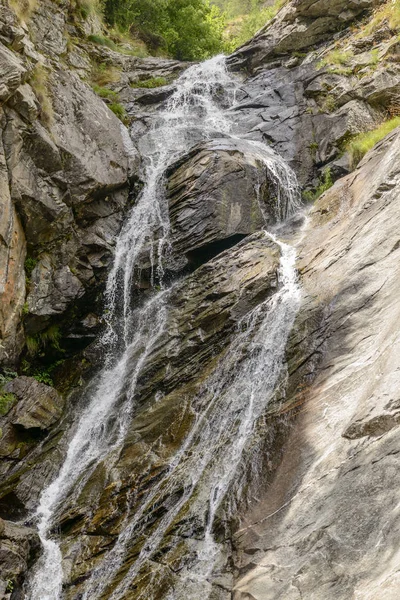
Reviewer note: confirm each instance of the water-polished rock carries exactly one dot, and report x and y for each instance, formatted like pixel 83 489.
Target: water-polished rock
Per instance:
pixel 218 193
pixel 205 310
pixel 328 524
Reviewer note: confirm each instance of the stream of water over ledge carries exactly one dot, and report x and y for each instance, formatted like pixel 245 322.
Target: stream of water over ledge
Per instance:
pixel 231 400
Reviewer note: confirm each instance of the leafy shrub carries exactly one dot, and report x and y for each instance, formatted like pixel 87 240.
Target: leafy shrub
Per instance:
pixel 7 376
pixel 185 29
pixel 359 145
pixel 43 377
pixel 30 264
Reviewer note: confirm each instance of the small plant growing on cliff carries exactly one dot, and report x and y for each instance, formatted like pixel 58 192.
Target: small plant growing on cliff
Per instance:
pixel 119 111
pixel 10 586
pixel 24 9
pixel 102 41
pixel 103 74
pixel 389 12
pixel 90 7
pixel 43 376
pixel 30 264
pixel 325 183
pixel 7 401
pixel 336 57
pixel 40 84
pixel 105 92
pixel 362 143
pixel 6 376
pixel 153 82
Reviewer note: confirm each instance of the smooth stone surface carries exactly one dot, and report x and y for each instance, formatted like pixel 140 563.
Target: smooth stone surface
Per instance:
pixel 328 523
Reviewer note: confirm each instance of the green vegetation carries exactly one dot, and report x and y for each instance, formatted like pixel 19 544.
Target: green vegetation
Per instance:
pixel 24 9
pixel 154 82
pixel 105 92
pixel 119 110
pixel 43 376
pixel 184 29
pixel 89 7
pixel 39 81
pixel 245 18
pixel 30 264
pixel 102 41
pixel 7 401
pixel 7 376
pixel 336 57
pixel 103 74
pixel 50 338
pixel 389 13
pixel 362 143
pixel 324 184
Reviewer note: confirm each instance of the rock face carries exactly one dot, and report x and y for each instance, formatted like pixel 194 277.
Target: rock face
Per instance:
pixel 205 309
pixel 327 524
pixel 68 176
pixel 316 516
pixel 19 547
pixel 301 24
pixel 217 194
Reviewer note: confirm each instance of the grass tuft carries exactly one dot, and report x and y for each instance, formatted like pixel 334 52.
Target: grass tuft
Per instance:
pixel 364 142
pixel 336 57
pixel 103 41
pixel 105 92
pixel 103 74
pixel 24 9
pixel 119 111
pixel 154 82
pixel 39 81
pixel 325 183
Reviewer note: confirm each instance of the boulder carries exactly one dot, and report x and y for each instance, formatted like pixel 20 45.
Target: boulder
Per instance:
pixel 19 547
pixel 39 406
pixel 218 193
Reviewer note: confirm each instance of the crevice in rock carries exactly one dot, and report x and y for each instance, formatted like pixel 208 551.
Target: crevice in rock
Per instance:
pixel 202 255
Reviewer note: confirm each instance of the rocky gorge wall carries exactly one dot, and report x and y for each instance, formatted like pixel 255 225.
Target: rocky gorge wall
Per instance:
pixel 69 173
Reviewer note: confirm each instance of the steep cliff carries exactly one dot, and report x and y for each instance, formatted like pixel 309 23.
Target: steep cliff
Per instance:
pixel 218 469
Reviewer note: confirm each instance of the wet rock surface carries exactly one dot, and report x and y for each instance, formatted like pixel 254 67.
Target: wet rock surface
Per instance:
pixel 205 309
pixel 326 526
pixel 217 193
pixel 19 547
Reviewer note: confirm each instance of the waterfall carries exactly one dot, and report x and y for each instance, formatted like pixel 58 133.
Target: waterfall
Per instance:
pixel 234 396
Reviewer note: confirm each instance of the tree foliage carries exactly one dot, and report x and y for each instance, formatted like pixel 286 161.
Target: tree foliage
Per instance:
pixel 184 29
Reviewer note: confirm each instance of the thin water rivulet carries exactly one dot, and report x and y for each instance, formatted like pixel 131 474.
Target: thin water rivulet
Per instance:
pixel 234 395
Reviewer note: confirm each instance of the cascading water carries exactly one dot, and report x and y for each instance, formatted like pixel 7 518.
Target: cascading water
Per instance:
pixel 234 396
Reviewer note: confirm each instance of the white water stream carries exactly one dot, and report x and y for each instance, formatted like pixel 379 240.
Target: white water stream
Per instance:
pixel 235 395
